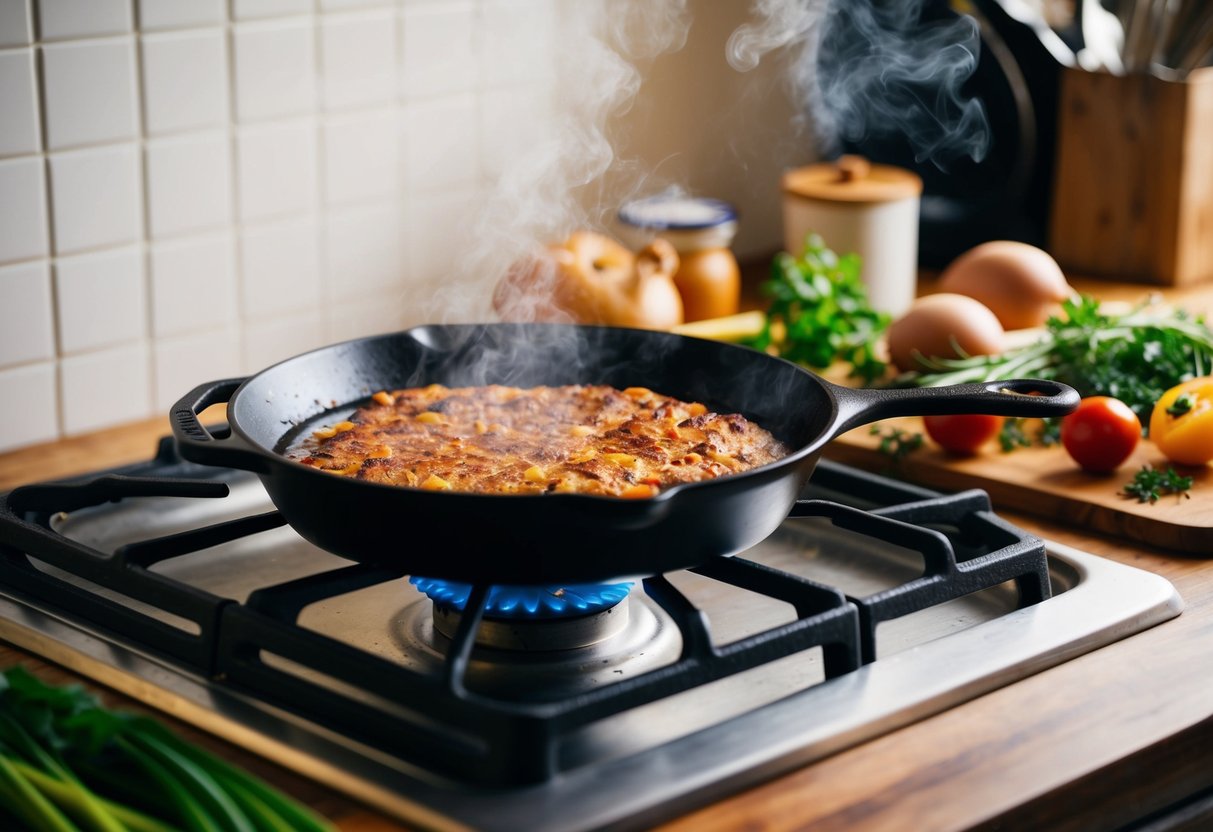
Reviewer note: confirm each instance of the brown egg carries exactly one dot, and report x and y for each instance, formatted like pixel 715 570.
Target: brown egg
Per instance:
pixel 935 321
pixel 1021 284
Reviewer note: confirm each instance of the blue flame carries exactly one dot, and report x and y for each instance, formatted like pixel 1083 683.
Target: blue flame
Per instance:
pixel 528 601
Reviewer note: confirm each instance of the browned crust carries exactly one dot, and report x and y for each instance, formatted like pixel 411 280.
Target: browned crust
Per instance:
pixel 508 440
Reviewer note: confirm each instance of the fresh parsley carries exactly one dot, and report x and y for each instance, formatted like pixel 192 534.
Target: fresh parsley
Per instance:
pixel 896 443
pixel 1149 484
pixel 1014 433
pixel 819 312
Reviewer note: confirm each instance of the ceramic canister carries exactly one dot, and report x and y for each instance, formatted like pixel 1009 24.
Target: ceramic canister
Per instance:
pixel 868 209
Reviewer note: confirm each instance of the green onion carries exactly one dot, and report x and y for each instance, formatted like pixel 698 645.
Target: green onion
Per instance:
pixel 64 758
pixel 65 796
pixel 30 803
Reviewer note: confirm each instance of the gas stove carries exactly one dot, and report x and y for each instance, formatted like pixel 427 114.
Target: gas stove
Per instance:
pixel 875 604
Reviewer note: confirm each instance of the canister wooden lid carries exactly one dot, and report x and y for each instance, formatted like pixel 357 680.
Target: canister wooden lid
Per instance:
pixel 852 179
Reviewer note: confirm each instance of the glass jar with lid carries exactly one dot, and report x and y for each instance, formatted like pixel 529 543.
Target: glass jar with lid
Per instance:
pixel 701 231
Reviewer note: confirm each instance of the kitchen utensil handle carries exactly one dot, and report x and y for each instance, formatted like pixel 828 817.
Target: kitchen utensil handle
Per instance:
pixel 1014 397
pixel 197 444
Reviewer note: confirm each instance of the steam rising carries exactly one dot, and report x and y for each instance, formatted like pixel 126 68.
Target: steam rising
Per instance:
pixel 556 185
pixel 872 68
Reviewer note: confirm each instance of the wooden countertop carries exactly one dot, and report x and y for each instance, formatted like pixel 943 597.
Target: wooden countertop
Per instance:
pixel 1094 743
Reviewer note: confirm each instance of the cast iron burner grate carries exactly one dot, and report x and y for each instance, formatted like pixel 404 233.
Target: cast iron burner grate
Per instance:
pixel 435 720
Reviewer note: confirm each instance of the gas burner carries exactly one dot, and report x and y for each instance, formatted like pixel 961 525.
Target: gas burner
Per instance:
pixel 533 618
pixel 520 602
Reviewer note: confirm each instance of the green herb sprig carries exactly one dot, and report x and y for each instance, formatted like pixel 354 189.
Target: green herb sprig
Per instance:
pixel 67 764
pixel 896 443
pixel 1013 435
pixel 1134 357
pixel 819 312
pixel 1149 484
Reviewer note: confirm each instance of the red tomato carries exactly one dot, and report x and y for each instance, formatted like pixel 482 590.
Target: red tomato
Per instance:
pixel 963 433
pixel 1101 433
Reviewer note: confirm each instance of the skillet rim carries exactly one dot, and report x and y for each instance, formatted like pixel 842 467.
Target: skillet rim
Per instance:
pixel 814 445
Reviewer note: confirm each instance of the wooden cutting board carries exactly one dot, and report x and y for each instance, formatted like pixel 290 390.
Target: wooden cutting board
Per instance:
pixel 1046 482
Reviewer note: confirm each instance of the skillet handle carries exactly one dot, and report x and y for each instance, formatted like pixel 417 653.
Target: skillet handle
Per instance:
pixel 1015 397
pixel 197 444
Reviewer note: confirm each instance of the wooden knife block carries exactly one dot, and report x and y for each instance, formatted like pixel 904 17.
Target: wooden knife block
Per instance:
pixel 1133 186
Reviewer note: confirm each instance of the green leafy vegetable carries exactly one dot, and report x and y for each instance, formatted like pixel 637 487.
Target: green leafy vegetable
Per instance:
pixel 67 765
pixel 819 312
pixel 1013 433
pixel 1149 484
pixel 896 443
pixel 1134 357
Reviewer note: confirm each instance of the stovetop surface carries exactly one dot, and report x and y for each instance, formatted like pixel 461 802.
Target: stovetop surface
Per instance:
pixel 737 721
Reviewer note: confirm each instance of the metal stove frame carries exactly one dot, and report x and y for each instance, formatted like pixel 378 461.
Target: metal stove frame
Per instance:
pixel 448 743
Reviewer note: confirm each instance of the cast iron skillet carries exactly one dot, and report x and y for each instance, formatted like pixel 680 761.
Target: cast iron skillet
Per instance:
pixel 552 538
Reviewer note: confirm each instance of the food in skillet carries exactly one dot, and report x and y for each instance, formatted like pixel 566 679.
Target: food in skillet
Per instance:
pixel 507 440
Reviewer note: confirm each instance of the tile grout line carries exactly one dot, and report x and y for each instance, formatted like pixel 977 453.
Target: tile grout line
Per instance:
pixel 148 340
pixel 35 23
pixel 236 249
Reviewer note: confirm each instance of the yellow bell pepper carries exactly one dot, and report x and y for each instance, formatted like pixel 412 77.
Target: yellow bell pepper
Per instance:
pixel 1181 424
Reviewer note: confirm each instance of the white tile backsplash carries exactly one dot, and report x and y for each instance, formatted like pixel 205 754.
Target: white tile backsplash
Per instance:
pixel 281 268
pixel 59 19
pixel 437 229
pixel 188 183
pixel 341 5
pixel 276 169
pixel 364 251
pixel 185 80
pixel 528 112
pixel 439 49
pixel 23 231
pixel 176 14
pixel 89 91
pixel 440 144
pixel 28 333
pixel 360 157
pixel 358 59
pixel 18 102
pixel 275 68
pixel 519 41
pixel 268 342
pixel 191 189
pixel 100 299
pixel 182 362
pixel 246 9
pixel 16 27
pixel 95 197
pixel 28 405
pixel 105 388
pixel 347 321
pixel 193 284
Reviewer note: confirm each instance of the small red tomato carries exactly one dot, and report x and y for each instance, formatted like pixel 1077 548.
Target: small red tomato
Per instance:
pixel 1101 433
pixel 962 434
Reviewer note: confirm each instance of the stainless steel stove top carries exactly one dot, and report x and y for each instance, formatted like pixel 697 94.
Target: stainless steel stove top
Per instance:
pixel 632 768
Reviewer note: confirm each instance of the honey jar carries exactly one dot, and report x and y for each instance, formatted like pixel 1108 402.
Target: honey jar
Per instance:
pixel 701 231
